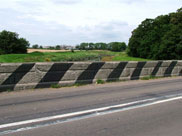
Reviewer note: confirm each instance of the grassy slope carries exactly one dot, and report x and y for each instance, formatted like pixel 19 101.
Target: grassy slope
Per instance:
pixel 123 56
pixel 68 56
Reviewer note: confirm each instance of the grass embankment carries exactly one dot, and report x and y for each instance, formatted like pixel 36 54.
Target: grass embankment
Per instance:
pixel 68 56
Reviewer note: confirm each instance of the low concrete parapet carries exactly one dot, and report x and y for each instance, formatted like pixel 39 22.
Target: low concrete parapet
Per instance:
pixel 19 76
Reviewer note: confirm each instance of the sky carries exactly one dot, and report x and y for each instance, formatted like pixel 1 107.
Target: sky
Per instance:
pixel 70 22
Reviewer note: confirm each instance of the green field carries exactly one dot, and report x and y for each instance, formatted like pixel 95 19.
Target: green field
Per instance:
pixel 68 56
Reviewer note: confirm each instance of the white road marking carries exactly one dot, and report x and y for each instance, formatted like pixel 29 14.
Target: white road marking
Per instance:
pixel 69 114
pixel 93 112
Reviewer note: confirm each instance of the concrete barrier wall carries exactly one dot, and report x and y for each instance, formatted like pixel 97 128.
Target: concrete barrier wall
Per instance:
pixel 20 76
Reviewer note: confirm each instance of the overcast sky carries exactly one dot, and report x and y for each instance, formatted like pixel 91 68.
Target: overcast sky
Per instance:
pixel 52 22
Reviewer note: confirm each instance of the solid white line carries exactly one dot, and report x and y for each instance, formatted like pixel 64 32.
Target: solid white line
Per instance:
pixel 142 105
pixel 93 110
pixel 68 114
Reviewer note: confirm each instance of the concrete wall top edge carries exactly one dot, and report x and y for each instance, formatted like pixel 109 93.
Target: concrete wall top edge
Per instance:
pixel 5 64
pixel 80 62
pixel 24 67
pixel 45 66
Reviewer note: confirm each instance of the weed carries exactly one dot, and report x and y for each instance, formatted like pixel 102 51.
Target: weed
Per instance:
pixel 99 81
pixel 9 90
pixel 150 77
pixel 47 59
pixel 72 50
pixel 55 86
pixel 79 84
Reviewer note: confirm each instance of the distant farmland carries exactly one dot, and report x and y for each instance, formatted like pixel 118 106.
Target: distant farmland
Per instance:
pixel 66 55
pixel 45 50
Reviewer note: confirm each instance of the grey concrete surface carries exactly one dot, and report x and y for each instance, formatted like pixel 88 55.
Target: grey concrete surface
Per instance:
pixel 22 76
pixel 157 120
pixel 25 105
pixel 17 106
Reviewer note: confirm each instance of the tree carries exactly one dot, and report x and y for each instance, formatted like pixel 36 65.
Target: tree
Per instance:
pixel 103 46
pixel 158 38
pixel 84 46
pixel 51 48
pixel 58 47
pixel 11 43
pixel 91 46
pixel 117 46
pixel 77 47
pixel 35 46
pixel 171 45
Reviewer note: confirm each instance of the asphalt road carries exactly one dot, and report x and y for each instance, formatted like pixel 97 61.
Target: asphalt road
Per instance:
pixel 163 118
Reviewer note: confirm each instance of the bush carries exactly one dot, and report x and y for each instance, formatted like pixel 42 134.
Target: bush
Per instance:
pixel 117 46
pixel 159 38
pixel 11 43
pixel 99 81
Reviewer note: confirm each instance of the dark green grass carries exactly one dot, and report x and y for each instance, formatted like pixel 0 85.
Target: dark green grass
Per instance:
pixel 123 56
pixel 151 77
pixel 68 56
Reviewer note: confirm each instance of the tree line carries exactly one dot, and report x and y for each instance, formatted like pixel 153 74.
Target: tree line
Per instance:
pixel 159 38
pixel 113 46
pixel 36 46
pixel 11 43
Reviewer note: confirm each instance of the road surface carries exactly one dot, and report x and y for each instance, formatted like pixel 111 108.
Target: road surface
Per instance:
pixel 132 108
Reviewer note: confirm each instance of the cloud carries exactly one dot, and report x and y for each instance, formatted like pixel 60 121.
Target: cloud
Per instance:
pixel 104 32
pixel 67 2
pixel 53 33
pixel 129 1
pixel 51 22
